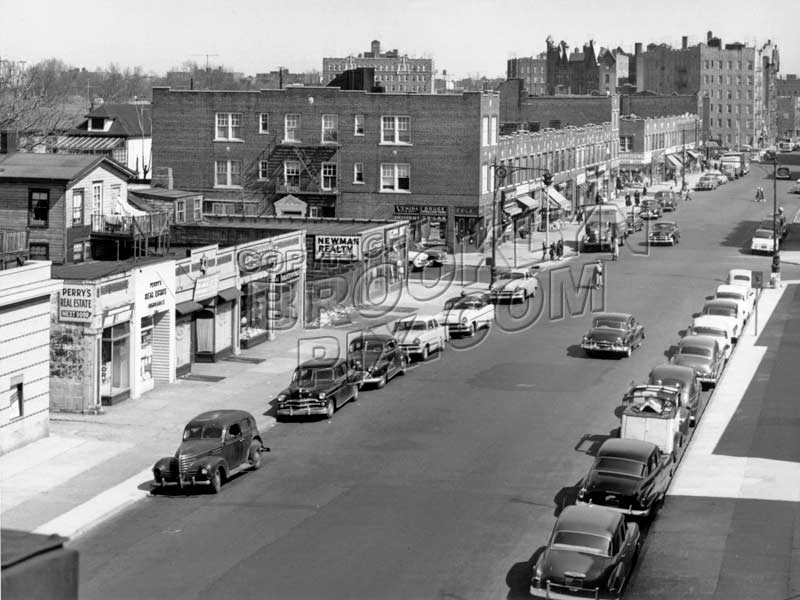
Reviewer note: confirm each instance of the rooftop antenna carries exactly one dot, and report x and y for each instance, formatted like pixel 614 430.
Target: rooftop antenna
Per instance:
pixel 207 55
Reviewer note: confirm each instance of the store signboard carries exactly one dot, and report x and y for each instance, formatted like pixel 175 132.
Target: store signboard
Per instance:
pixel 205 287
pixel 337 247
pixel 76 303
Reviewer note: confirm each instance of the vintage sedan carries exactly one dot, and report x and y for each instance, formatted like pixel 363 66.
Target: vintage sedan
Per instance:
pixel 726 308
pixel 763 240
pixel 707 182
pixel 319 387
pixel 650 209
pixel 743 277
pixel 376 358
pixel 613 332
pixel 590 554
pixel 665 232
pixel 628 476
pixel 436 255
pixel 513 285
pixel 467 314
pixel 684 379
pixel 668 200
pixel 718 327
pixel 216 446
pixel 783 173
pixel 738 293
pixel 419 335
pixel 703 354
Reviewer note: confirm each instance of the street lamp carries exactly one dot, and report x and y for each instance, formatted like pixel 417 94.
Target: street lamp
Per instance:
pixel 500 173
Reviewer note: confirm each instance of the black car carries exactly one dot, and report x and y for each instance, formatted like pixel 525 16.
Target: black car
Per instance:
pixel 668 200
pixel 628 476
pixel 319 387
pixel 650 209
pixel 216 446
pixel 376 358
pixel 665 232
pixel 613 332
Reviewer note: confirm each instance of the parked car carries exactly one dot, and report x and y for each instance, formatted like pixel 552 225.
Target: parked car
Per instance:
pixel 420 335
pixel 319 387
pixel 737 293
pixel 763 240
pixel 721 177
pixel 613 332
pixel 707 182
pixel 628 476
pixel 684 379
pixel 216 445
pixel 590 554
pixel 665 232
pixel 743 277
pixel 437 255
pixel 418 259
pixel 514 284
pixel 783 173
pixel 726 308
pixel 653 413
pixel 796 187
pixel 376 358
pixel 720 328
pixel 468 313
pixel 650 209
pixel 668 200
pixel 703 354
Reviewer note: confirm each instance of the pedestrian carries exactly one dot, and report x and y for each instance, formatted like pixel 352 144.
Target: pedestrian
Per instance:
pixel 761 192
pixel 560 249
pixel 688 195
pixel 544 251
pixel 598 274
pixel 644 191
pixel 552 250
pixel 614 248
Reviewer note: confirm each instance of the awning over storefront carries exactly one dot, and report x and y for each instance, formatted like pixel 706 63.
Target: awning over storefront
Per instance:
pixel 556 198
pixel 693 154
pixel 87 143
pixel 674 161
pixel 188 307
pixel 229 294
pixel 528 202
pixel 512 210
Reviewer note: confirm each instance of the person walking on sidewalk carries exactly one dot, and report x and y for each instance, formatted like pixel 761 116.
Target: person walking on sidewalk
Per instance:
pixel 598 274
pixel 552 250
pixel 544 251
pixel 560 249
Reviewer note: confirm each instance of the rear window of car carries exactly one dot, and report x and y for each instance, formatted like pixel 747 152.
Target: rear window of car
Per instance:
pixel 708 331
pixel 763 233
pixel 720 311
pixel 694 350
pixel 730 296
pixel 582 542
pixel 621 466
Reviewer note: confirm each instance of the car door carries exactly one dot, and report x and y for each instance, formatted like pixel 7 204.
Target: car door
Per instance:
pixel 485 312
pixel 342 389
pixel 392 357
pixel 662 475
pixel 233 449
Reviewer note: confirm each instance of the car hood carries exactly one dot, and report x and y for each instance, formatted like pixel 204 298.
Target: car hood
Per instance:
pixel 604 334
pixel 598 481
pixel 696 362
pixel 294 392
pixel 197 447
pixel 435 253
pixel 557 562
pixel 506 284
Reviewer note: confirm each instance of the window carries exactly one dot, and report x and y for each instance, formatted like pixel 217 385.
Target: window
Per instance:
pixel 484 179
pixel 180 211
pixel 38 208
pixel 395 177
pixel 77 252
pixel 291 129
pixel 263 123
pixel 493 130
pixel 330 128
pixel 358 125
pixel 263 170
pixel 77 208
pixel 97 198
pixel 39 251
pixel 315 211
pixel 198 209
pixel 229 126
pixel 485 131
pixel 358 173
pixel 626 143
pixel 227 173
pixel 395 130
pixel 291 173
pixel 16 402
pixel 97 123
pixel 328 176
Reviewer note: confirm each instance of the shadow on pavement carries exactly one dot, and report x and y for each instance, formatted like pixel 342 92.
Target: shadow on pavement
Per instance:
pixel 518 578
pixel 566 496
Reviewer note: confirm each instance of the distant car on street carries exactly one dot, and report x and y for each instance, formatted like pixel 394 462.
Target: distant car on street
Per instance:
pixel 420 335
pixel 216 445
pixel 618 333
pixel 737 293
pixel 650 209
pixel 704 354
pixel 783 173
pixel 467 314
pixel 668 200
pixel 726 308
pixel 590 554
pixel 513 285
pixel 628 476
pixel 763 240
pixel 319 387
pixel 743 277
pixel 721 328
pixel 707 182
pixel 437 255
pixel 665 232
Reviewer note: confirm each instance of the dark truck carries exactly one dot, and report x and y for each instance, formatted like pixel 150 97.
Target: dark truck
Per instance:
pixel 602 223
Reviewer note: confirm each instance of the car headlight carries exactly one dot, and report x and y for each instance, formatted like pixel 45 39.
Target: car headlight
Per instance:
pixel 464 320
pixel 281 397
pixel 416 341
pixel 203 471
pixel 586 338
pixel 619 340
pixel 322 395
pixel 582 493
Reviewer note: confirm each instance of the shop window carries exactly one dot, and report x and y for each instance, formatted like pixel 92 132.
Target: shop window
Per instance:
pixel 16 404
pixel 146 360
pixel 38 208
pixel 254 311
pixel 115 360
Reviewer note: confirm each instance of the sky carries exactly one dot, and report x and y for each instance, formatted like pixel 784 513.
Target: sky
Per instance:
pixel 464 37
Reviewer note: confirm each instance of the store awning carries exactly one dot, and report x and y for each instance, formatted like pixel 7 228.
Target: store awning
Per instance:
pixel 229 294
pixel 674 161
pixel 87 143
pixel 528 202
pixel 188 307
pixel 557 198
pixel 512 210
pixel 693 154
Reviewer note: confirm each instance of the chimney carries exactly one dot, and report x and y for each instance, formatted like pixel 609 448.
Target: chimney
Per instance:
pixel 684 42
pixel 162 177
pixel 639 60
pixel 8 142
pixel 376 48
pixel 709 35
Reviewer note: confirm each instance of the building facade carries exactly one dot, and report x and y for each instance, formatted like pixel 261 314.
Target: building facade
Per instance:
pixel 393 71
pixel 788 118
pixel 531 70
pixel 576 72
pixel 788 85
pixel 25 297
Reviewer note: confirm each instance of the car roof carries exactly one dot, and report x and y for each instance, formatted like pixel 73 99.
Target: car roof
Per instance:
pixel 611 315
pixel 588 519
pixel 668 370
pixel 733 289
pixel 221 415
pixel 423 317
pixel 626 448
pixel 726 302
pixel 373 337
pixel 735 272
pixel 322 363
pixel 699 340
pixel 712 320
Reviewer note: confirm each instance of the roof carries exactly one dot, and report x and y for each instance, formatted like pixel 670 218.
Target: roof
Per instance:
pixel 731 289
pixel 321 363
pixel 727 302
pixel 626 448
pixel 720 321
pixel 698 340
pixel 98 269
pixel 129 120
pixel 222 414
pixel 55 167
pixel 588 519
pixel 313 226
pixel 19 546
pixel 162 193
pixel 672 371
pixel 611 315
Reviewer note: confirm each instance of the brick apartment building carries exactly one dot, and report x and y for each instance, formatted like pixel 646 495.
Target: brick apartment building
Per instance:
pixel 334 153
pixel 532 70
pixel 393 71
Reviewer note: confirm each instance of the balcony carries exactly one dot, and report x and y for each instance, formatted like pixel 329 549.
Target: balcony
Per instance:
pixel 13 248
pixel 141 226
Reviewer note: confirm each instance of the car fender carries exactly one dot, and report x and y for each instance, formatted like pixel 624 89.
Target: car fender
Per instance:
pixel 163 463
pixel 210 463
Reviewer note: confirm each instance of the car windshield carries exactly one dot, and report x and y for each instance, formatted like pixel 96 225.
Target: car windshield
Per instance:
pixel 582 542
pixel 411 326
pixel 467 304
pixel 307 376
pixel 366 346
pixel 202 432
pixel 694 350
pixel 663 226
pixel 716 332
pixel 511 275
pixel 719 310
pixel 620 466
pixel 763 233
pixel 668 381
pixel 610 323
pixel 741 278
pixel 730 296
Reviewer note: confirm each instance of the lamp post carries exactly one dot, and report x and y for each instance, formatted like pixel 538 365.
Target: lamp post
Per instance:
pixel 500 173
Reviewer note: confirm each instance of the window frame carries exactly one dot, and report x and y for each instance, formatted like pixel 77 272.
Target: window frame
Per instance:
pixel 395 139
pixel 358 169
pixel 80 214
pixel 180 211
pixel 262 118
pixel 38 223
pixel 18 403
pixel 396 178
pixel 286 165
pixel 197 209
pixel 80 255
pixel 44 245
pixel 329 134
pixel 335 176
pixel 359 120
pixel 229 174
pixel 263 170
pixel 295 129
pixel 228 126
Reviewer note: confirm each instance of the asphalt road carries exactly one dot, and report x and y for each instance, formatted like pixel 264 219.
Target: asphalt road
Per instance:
pixel 446 483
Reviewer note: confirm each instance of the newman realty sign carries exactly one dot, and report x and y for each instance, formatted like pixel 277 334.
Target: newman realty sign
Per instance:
pixel 76 303
pixel 337 247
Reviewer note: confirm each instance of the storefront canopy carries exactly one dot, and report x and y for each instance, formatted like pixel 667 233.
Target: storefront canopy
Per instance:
pixel 693 154
pixel 512 210
pixel 229 294
pixel 188 307
pixel 674 161
pixel 88 143
pixel 557 200
pixel 528 202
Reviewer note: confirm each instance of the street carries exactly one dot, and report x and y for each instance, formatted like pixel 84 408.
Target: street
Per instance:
pixel 446 482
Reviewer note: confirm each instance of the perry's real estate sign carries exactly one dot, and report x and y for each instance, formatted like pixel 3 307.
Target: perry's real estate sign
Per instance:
pixel 337 247
pixel 76 303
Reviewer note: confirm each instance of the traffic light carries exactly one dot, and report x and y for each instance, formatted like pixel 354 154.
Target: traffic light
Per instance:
pixel 547 178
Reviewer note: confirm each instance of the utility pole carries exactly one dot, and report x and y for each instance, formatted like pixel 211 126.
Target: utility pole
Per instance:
pixel 207 55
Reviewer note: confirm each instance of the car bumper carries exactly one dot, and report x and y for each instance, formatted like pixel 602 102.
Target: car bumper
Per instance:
pixel 302 410
pixel 369 378
pixel 638 512
pixel 562 592
pixel 661 240
pixel 761 248
pixel 499 296
pixel 604 347
pixel 168 479
pixel 459 328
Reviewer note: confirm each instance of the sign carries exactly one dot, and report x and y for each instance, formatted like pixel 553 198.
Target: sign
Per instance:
pixel 406 209
pixel 431 210
pixel 337 247
pixel 205 287
pixel 258 258
pixel 155 295
pixel 466 211
pixel 287 276
pixel 76 304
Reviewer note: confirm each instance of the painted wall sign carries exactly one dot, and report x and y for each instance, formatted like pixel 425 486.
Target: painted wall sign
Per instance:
pixel 155 296
pixel 337 247
pixel 76 304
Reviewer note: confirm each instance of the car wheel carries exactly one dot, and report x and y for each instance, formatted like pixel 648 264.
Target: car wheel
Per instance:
pixel 424 354
pixel 254 456
pixel 628 351
pixel 381 382
pixel 330 408
pixel 216 481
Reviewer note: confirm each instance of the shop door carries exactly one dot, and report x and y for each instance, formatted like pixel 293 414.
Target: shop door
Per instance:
pixel 204 327
pixel 183 343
